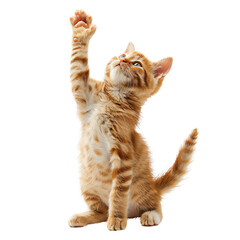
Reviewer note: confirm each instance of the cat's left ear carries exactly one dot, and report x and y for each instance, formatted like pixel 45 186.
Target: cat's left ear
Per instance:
pixel 130 48
pixel 162 67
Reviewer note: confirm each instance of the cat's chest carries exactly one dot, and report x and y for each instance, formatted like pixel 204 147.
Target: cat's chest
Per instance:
pixel 95 137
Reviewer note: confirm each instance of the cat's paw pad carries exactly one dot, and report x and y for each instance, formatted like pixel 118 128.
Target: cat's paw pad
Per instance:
pixel 151 218
pixel 82 28
pixel 81 19
pixel 76 221
pixel 114 224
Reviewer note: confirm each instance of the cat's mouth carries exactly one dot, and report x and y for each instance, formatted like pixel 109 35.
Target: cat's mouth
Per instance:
pixel 121 65
pixel 117 65
pixel 119 72
pixel 121 68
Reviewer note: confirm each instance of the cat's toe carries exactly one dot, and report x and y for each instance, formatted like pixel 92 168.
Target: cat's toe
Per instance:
pixel 114 224
pixel 151 218
pixel 81 19
pixel 75 221
pixel 77 12
pixel 89 20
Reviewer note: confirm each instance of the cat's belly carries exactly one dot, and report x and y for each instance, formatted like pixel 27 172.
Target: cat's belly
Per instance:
pixel 96 178
pixel 133 210
pixel 96 174
pixel 95 137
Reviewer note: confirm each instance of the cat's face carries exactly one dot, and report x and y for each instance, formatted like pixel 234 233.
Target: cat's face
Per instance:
pixel 133 72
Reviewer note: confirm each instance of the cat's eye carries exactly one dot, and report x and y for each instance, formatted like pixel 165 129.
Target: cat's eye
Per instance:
pixel 122 56
pixel 137 64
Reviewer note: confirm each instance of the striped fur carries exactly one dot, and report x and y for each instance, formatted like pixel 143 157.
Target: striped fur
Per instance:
pixel 174 175
pixel 116 177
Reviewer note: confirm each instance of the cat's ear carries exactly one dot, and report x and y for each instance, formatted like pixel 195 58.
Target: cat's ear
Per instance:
pixel 130 48
pixel 162 67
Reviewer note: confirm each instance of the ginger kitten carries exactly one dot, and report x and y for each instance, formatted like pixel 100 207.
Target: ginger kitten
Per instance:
pixel 116 178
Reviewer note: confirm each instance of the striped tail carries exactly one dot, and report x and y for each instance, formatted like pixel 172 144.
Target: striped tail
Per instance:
pixel 175 174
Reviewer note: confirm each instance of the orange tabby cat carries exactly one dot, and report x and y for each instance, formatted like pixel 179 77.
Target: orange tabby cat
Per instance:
pixel 116 178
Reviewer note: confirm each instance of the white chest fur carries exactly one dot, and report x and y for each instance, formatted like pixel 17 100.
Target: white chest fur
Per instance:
pixel 95 158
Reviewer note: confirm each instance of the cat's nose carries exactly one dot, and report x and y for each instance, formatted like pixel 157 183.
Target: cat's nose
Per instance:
pixel 122 60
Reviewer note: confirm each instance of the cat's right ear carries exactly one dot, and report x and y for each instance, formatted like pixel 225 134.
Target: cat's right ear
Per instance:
pixel 130 48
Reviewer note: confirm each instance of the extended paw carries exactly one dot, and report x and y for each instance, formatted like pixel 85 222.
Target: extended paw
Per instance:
pixel 77 221
pixel 114 224
pixel 151 218
pixel 82 28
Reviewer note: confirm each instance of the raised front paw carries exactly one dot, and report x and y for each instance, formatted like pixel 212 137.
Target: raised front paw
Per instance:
pixel 114 224
pixel 82 26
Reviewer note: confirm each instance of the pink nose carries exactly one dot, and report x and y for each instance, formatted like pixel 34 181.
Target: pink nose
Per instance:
pixel 122 60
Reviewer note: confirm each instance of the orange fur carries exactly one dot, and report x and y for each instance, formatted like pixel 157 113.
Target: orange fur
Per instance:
pixel 116 176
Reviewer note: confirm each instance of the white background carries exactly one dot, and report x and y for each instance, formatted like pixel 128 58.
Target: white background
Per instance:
pixel 39 130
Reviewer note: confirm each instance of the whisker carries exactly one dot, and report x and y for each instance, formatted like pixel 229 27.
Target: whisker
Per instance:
pixel 132 79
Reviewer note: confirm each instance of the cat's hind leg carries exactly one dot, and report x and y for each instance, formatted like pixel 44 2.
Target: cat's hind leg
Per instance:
pixel 151 218
pixel 90 217
pixel 98 213
pixel 148 202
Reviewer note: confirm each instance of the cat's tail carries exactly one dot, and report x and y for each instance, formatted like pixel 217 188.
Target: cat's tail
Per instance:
pixel 175 173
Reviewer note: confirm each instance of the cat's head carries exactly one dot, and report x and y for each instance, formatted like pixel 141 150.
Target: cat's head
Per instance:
pixel 133 72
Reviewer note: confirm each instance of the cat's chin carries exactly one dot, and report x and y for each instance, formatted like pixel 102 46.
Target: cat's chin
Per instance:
pixel 117 75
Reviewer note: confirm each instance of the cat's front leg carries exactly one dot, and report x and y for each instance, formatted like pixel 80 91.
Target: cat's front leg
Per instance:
pixel 82 26
pixel 83 87
pixel 122 178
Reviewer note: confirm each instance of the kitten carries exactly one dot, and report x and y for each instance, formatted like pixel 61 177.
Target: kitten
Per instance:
pixel 116 178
